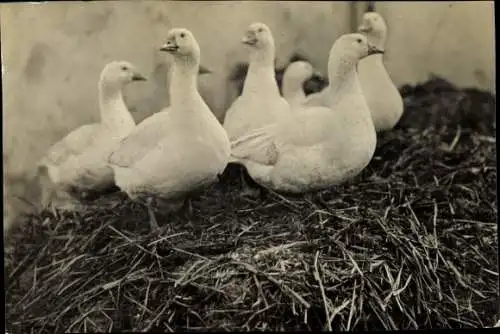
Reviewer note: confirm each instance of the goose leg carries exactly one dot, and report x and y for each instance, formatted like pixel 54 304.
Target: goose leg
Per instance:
pixel 47 188
pixel 188 207
pixel 187 211
pixel 85 195
pixel 63 200
pixel 184 208
pixel 242 179
pixel 316 199
pixel 152 217
pixel 46 199
pixel 309 198
pixel 247 190
pixel 55 196
pixel 321 201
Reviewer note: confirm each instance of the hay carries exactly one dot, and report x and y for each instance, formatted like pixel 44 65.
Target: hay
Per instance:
pixel 411 243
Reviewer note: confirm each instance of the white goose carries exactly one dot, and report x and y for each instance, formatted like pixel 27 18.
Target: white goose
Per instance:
pixel 188 149
pixel 382 96
pixel 260 102
pixel 318 147
pixel 78 161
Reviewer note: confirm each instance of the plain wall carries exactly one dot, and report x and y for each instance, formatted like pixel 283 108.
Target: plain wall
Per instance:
pixel 52 54
pixel 452 39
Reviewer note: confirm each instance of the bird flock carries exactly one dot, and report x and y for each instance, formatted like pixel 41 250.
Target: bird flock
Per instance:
pixel 287 142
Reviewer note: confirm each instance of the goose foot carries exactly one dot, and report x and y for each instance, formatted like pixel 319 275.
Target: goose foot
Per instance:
pixel 85 195
pixel 187 208
pixel 316 199
pixel 63 201
pixel 321 200
pixel 249 191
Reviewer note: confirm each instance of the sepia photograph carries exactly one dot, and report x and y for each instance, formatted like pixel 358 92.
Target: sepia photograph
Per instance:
pixel 249 166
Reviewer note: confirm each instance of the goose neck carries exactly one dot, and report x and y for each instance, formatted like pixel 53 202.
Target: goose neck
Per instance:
pixel 183 84
pixel 292 88
pixel 343 80
pixel 261 74
pixel 113 110
pixel 378 40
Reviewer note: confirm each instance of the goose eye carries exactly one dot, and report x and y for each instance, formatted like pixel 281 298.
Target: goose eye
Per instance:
pixel 182 35
pixel 260 30
pixel 124 68
pixel 359 40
